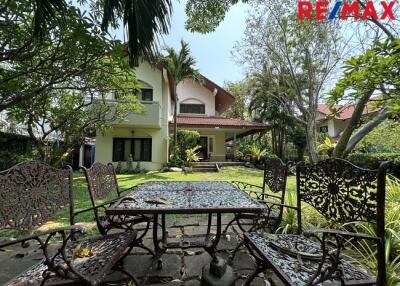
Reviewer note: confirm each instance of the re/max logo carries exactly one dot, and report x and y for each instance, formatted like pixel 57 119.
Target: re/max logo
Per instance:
pixel 344 10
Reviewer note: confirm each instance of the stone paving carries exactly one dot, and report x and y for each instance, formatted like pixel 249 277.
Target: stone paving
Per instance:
pixel 180 267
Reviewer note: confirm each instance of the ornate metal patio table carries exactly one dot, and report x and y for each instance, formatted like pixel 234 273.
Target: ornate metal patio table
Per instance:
pixel 171 197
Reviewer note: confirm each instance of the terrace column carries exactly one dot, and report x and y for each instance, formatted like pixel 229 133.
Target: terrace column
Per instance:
pixel 234 145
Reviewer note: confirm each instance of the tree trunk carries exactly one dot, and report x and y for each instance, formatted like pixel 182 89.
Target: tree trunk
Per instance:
pixel 352 125
pixel 360 134
pixel 311 139
pixel 175 121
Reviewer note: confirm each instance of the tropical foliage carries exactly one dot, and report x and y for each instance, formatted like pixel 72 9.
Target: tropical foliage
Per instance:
pixel 180 66
pixel 57 87
pixel 376 70
pixel 144 20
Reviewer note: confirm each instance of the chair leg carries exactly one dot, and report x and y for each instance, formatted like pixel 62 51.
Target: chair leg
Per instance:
pixel 233 254
pixel 228 225
pixel 259 268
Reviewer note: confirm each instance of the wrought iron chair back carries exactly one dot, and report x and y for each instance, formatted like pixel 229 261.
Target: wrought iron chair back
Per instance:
pixel 275 175
pixel 343 193
pixel 101 180
pixel 31 193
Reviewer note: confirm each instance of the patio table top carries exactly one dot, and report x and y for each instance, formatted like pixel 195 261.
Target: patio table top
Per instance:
pixel 191 197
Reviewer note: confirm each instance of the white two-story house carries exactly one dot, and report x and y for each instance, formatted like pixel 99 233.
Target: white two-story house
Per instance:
pixel 145 136
pixel 334 124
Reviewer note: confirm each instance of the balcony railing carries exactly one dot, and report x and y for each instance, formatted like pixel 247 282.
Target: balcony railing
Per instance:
pixel 149 117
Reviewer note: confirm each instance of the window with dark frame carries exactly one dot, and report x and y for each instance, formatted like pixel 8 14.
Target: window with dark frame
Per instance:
pixel 192 108
pixel 323 129
pixel 147 94
pixel 140 148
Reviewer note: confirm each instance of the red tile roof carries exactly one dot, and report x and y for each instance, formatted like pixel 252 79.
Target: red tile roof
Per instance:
pixel 218 121
pixel 346 111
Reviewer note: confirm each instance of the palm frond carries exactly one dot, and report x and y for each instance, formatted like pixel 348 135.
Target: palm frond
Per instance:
pixel 46 13
pixel 143 20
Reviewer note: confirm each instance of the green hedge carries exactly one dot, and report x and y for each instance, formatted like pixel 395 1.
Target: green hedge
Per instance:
pixel 372 160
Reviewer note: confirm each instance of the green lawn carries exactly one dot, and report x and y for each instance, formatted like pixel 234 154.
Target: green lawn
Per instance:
pixel 82 200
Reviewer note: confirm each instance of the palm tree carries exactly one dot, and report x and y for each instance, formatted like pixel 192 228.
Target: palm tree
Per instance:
pixel 180 67
pixel 143 20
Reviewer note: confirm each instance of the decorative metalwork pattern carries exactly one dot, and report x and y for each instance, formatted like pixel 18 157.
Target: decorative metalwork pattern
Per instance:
pixel 187 195
pixel 300 271
pixel 339 190
pixel 275 173
pixel 31 193
pixel 106 251
pixel 101 180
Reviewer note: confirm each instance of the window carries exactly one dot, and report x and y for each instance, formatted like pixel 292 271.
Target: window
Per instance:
pixel 323 129
pixel 139 148
pixel 192 108
pixel 147 94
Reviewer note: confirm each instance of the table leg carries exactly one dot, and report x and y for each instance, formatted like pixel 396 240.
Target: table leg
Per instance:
pixel 157 249
pixel 164 230
pixel 212 249
pixel 217 272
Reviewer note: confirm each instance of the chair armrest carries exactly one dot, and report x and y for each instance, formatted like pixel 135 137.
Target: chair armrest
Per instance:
pixel 278 204
pixel 103 205
pixel 73 228
pixel 127 190
pixel 244 184
pixel 334 232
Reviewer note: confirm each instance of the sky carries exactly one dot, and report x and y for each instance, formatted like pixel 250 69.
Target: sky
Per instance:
pixel 211 51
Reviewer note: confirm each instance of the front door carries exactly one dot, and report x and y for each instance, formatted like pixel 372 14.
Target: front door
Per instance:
pixel 203 150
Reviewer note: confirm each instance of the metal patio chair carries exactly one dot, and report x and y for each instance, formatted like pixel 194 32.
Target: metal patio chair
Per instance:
pixel 102 181
pixel 31 194
pixel 271 194
pixel 274 181
pixel 342 193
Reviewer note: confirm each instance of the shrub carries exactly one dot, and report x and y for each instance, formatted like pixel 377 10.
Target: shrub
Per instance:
pixel 384 138
pixel 373 160
pixel 187 139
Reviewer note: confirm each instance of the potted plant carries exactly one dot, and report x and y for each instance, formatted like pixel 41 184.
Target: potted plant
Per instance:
pixel 192 156
pixel 256 153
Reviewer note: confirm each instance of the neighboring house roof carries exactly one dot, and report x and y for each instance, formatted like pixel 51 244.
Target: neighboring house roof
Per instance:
pixel 218 121
pixel 345 111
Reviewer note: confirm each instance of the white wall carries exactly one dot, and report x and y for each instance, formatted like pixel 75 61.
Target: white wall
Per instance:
pixel 192 92
pixel 335 127
pixel 152 77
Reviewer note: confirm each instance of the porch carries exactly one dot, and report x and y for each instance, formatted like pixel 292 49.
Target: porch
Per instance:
pixel 216 131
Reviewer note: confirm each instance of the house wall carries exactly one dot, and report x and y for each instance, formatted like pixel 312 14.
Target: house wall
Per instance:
pixel 154 78
pixel 192 92
pixel 335 127
pixel 104 146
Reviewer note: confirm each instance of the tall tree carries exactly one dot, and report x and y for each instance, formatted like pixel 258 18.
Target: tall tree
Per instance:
pixel 375 71
pixel 180 66
pixel 60 86
pixel 271 101
pixel 307 51
pixel 240 90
